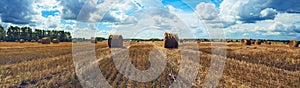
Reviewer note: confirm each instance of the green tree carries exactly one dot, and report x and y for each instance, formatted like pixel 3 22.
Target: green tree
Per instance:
pixel 54 34
pixel 62 36
pixel 23 33
pixel 38 33
pixel 48 33
pixel 44 33
pixel 2 33
pixel 13 33
pixel 100 38
pixel 29 34
pixel 68 36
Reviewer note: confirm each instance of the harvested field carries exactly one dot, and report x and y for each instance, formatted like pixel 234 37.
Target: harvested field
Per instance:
pixel 51 65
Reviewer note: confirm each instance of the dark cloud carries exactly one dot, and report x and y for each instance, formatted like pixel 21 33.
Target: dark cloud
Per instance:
pixel 17 11
pixel 290 6
pixel 297 30
pixel 81 10
pixel 257 10
pixel 109 18
pixel 71 8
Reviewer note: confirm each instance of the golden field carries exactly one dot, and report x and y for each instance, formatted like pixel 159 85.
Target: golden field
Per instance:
pixel 37 65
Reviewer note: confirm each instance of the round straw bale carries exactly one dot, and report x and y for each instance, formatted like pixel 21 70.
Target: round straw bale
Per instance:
pixel 45 40
pixel 32 41
pixel 39 41
pixel 115 41
pixel 181 41
pixel 94 40
pixel 246 41
pixel 252 42
pixel 242 41
pixel 257 42
pixel 74 41
pixel 199 41
pixel 55 41
pixel 294 43
pixel 170 40
pixel 268 42
pixel 22 41
pixel 228 41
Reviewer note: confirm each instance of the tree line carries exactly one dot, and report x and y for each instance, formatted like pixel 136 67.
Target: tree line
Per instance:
pixel 14 33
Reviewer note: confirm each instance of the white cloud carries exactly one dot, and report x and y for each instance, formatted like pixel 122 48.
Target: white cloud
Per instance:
pixel 273 19
pixel 268 13
pixel 192 21
pixel 149 3
pixel 284 26
pixel 129 20
pixel 207 11
pixel 157 21
pixel 47 4
pixel 209 16
pixel 87 31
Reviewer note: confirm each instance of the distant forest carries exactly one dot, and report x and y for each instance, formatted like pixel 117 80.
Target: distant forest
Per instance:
pixel 14 33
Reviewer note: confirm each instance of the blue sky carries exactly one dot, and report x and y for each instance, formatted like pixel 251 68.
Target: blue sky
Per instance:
pixel 258 19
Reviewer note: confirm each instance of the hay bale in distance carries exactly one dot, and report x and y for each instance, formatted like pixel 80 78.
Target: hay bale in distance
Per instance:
pixel 46 40
pixel 257 42
pixel 268 42
pixel 55 41
pixel 74 41
pixel 227 41
pixel 294 43
pixel 242 41
pixel 181 41
pixel 252 42
pixel 22 41
pixel 39 41
pixel 199 41
pixel 94 40
pixel 170 40
pixel 246 41
pixel 115 41
pixel 32 41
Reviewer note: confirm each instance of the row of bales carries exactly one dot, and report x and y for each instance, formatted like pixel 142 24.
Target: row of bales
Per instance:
pixel 116 41
pixel 44 40
pixel 171 41
pixel 292 43
pixel 254 42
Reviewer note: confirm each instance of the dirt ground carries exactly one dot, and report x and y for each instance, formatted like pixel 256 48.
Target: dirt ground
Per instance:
pixel 37 65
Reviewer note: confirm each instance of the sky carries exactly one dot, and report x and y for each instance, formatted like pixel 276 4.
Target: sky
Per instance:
pixel 229 19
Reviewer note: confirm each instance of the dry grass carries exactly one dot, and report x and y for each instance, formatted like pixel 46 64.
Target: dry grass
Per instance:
pixel 38 65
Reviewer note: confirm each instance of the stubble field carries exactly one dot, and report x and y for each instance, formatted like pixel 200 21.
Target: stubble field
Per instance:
pixel 37 65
